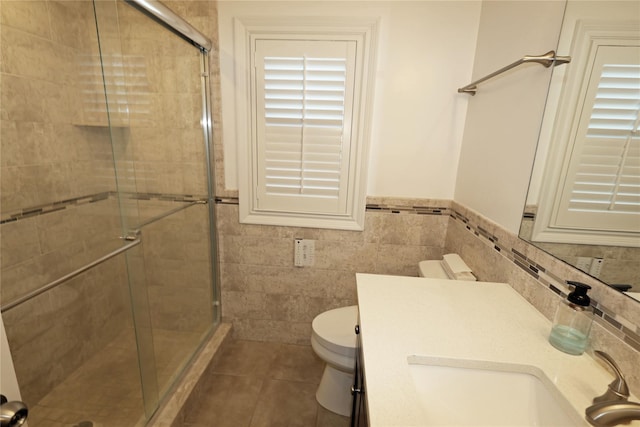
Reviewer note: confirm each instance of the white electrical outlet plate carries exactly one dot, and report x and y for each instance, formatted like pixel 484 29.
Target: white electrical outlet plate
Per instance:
pixel 596 267
pixel 308 252
pixel 297 253
pixel 304 253
pixel 584 263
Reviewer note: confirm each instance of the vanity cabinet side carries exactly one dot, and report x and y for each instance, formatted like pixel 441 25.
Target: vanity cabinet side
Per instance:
pixel 359 408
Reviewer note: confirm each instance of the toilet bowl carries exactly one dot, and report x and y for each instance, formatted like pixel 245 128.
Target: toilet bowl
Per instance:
pixel 333 338
pixel 334 341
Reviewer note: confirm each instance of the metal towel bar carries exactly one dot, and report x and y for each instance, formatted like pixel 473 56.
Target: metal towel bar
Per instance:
pixel 132 237
pixel 69 276
pixel 548 59
pixel 136 230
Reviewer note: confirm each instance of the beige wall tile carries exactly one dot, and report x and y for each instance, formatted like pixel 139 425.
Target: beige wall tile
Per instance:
pixel 19 187
pixel 72 23
pixel 180 308
pixel 403 259
pixel 411 229
pixel 260 285
pixel 272 330
pixel 62 325
pixel 253 250
pixel 43 248
pixel 20 100
pixel 21 278
pixel 30 16
pixel 19 242
pixel 311 282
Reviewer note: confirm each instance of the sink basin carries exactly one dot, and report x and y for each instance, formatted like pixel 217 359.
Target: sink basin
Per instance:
pixel 475 393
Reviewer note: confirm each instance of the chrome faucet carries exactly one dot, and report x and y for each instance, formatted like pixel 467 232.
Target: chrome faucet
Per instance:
pixel 607 414
pixel 612 408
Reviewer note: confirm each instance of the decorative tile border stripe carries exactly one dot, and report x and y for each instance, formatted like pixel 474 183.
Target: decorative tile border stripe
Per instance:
pixel 92 198
pixel 372 207
pixel 54 207
pixel 187 198
pixel 614 322
pixel 415 210
pixel 530 212
pixel 227 201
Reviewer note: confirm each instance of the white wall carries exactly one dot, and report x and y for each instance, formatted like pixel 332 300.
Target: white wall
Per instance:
pixel 425 52
pixel 504 117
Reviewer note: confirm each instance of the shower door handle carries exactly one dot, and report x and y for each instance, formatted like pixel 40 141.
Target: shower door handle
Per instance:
pixel 12 414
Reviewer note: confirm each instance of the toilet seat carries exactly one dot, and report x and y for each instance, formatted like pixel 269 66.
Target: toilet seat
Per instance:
pixel 341 362
pixel 334 330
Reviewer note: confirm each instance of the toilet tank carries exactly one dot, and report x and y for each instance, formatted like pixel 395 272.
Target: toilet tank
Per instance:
pixel 432 269
pixel 451 267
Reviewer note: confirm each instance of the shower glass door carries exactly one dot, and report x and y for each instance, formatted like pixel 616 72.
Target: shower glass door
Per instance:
pixel 106 274
pixel 156 105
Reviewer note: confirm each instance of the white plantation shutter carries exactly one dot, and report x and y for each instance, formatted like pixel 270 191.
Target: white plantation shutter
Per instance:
pixel 602 184
pixel 304 95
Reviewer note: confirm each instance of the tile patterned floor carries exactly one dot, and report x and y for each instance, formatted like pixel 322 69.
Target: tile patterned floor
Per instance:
pixel 257 384
pixel 251 384
pixel 111 379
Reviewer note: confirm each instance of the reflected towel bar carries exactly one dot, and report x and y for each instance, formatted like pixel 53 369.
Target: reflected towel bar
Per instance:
pixel 548 59
pixel 69 276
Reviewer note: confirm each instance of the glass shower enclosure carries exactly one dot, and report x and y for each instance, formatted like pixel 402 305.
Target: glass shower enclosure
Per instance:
pixel 108 268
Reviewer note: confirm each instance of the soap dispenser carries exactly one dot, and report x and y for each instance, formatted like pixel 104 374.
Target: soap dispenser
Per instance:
pixel 572 321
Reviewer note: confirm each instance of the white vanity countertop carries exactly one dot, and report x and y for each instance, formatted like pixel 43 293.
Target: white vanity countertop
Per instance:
pixel 404 316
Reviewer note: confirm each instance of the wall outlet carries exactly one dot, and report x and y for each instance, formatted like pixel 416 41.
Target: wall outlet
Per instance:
pixel 596 267
pixel 584 263
pixel 304 252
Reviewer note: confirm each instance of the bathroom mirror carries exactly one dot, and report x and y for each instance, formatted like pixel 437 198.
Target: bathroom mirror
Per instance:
pixel 583 204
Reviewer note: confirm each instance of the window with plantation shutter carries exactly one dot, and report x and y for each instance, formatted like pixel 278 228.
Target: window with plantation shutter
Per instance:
pixel 602 183
pixel 303 160
pixel 304 101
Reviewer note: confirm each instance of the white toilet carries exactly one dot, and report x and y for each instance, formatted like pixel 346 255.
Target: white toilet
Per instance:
pixel 334 340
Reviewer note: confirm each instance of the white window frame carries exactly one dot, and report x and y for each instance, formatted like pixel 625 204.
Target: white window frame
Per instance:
pixel 588 37
pixel 364 33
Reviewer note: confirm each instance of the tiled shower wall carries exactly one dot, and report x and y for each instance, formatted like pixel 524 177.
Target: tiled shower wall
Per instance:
pixel 177 267
pixel 61 325
pixel 171 265
pixel 57 195
pixel 46 156
pixel 268 299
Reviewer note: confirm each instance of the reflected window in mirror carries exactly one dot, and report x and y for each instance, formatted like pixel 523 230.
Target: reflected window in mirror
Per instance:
pixel 583 204
pixel 600 181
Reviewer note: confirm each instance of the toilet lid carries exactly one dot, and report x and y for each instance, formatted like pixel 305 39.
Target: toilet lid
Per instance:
pixel 335 329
